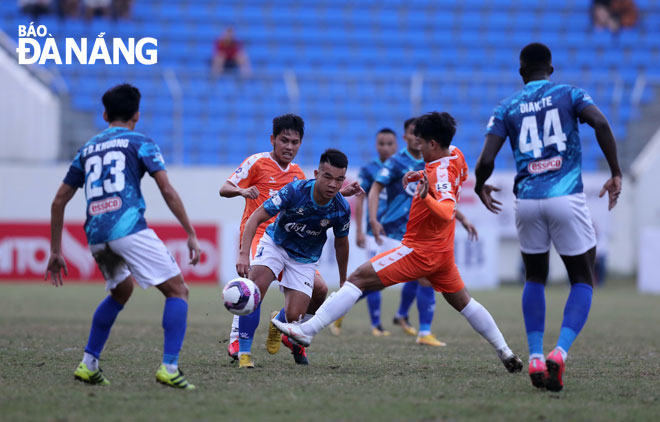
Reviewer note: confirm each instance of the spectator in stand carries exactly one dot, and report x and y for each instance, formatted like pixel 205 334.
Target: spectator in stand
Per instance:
pixel 34 8
pixel 229 54
pixel 68 8
pixel 614 14
pixel 122 8
pixel 94 8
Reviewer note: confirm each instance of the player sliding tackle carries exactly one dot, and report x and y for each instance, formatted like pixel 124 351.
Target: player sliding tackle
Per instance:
pixel 427 249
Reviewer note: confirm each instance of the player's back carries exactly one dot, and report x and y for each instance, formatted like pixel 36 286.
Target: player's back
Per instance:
pixel 109 167
pixel 541 121
pixel 399 199
pixel 263 172
pixel 446 176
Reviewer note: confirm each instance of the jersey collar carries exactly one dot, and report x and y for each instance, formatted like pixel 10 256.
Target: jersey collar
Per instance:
pixel 270 155
pixel 537 82
pixel 444 161
pixel 405 151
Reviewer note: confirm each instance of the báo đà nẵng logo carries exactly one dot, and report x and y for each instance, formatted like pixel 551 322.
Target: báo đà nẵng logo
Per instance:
pixel 37 45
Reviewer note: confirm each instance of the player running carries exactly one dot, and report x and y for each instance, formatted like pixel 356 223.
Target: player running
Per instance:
pixel 292 245
pixel 385 147
pixel 109 167
pixel 427 249
pixel 541 124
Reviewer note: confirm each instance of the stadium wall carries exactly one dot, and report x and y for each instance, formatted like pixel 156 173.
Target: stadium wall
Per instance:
pixel 28 195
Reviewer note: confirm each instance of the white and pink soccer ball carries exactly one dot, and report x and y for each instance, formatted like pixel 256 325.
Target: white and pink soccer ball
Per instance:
pixel 241 296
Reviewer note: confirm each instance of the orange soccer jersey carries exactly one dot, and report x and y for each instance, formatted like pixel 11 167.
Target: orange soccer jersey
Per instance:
pixel 427 248
pixel 262 171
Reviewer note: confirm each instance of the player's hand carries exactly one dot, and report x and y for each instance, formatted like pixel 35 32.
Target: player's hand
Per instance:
pixel 423 187
pixel 351 189
pixel 485 194
pixel 411 177
pixel 243 265
pixel 56 264
pixel 250 193
pixel 360 240
pixel 194 251
pixel 378 230
pixel 472 231
pixel 613 189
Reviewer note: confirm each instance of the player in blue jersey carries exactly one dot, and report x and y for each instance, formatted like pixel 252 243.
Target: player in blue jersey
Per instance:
pixel 389 227
pixel 109 168
pixel 292 245
pixel 541 122
pixel 385 147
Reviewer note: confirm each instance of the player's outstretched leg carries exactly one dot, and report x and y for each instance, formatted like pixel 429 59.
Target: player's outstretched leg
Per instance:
pixel 408 294
pixel 483 323
pixel 426 309
pixel 104 317
pixel 175 315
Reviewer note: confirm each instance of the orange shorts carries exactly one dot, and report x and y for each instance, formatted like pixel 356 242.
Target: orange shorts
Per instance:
pixel 403 264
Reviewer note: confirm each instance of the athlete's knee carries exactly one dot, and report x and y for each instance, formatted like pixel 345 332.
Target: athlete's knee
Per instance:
pixel 320 288
pixel 174 287
pixel 123 291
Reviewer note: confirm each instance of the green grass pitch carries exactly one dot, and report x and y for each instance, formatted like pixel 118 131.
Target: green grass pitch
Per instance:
pixel 613 371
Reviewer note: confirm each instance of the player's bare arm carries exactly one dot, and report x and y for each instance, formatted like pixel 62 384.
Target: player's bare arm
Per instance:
pixel 595 118
pixel 372 203
pixel 341 253
pixel 258 217
pixel 360 238
pixel 485 166
pixel 469 227
pixel 229 190
pixel 175 205
pixel 56 262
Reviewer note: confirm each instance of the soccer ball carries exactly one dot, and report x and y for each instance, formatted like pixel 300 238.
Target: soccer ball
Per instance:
pixel 241 296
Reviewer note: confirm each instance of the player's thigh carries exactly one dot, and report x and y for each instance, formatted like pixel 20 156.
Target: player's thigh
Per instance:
pixel 112 266
pixel 446 278
pixel 581 268
pixel 147 257
pixel 533 231
pixel 299 276
pixel 399 265
pixel 570 225
pixel 536 267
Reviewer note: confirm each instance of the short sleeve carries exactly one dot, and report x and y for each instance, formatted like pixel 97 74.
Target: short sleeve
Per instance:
pixel 386 173
pixel 496 124
pixel 343 224
pixel 244 175
pixel 280 200
pixel 580 99
pixel 150 156
pixel 76 175
pixel 365 179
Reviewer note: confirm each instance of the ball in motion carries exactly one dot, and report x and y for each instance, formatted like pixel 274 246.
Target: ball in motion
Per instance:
pixel 241 296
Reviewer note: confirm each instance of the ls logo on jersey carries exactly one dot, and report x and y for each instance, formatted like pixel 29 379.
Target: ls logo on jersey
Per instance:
pixel 550 164
pixel 277 200
pixel 443 186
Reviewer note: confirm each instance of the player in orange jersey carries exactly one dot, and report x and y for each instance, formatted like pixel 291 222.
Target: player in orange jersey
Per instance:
pixel 258 178
pixel 427 249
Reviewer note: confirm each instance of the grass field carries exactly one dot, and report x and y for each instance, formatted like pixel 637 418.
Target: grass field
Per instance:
pixel 613 372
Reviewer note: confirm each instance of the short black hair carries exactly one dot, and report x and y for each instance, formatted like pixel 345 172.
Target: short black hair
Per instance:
pixel 121 102
pixel 288 122
pixel 335 158
pixel 535 56
pixel 386 130
pixel 409 122
pixel 440 127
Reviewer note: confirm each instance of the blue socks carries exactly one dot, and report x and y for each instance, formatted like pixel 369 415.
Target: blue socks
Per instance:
pixel 533 306
pixel 247 325
pixel 576 312
pixel 426 308
pixel 175 315
pixel 408 294
pixel 373 305
pixel 281 316
pixel 104 317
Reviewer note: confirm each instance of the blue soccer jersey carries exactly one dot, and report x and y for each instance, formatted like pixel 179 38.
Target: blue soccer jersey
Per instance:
pixel 301 225
pixel 541 122
pixel 109 167
pixel 366 178
pixel 398 199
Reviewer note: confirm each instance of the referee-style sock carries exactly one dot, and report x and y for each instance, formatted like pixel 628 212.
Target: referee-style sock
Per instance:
pixel 334 307
pixel 533 307
pixel 104 317
pixel 247 325
pixel 426 308
pixel 373 305
pixel 175 315
pixel 483 323
pixel 408 294
pixel 576 312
